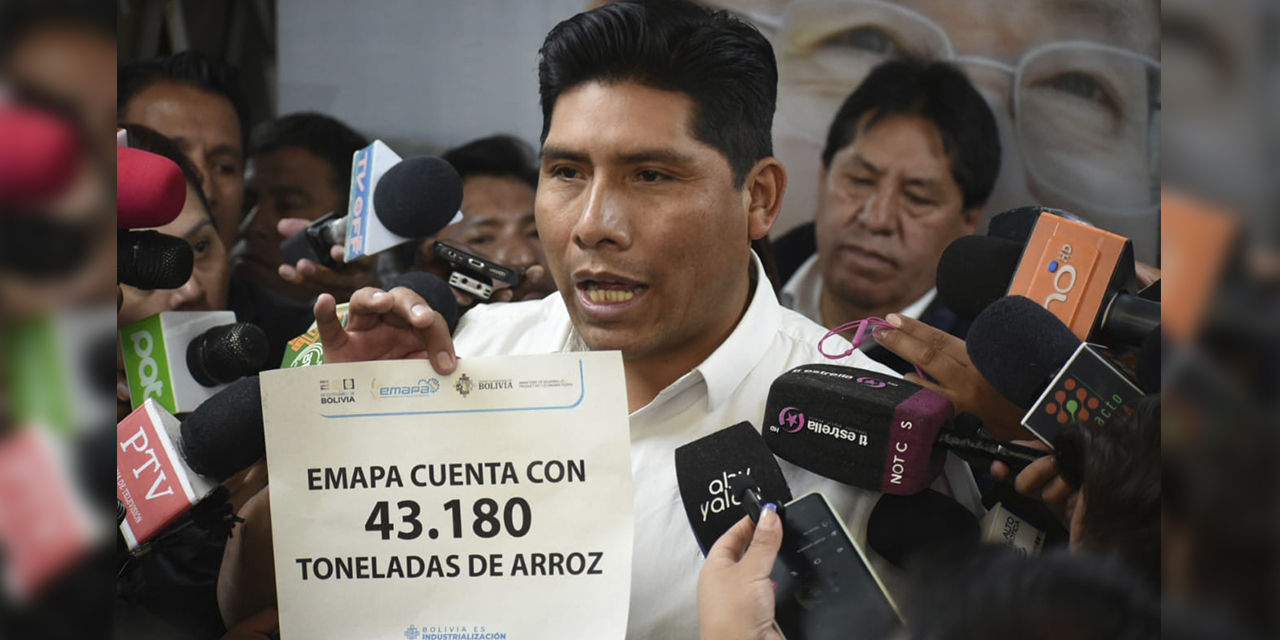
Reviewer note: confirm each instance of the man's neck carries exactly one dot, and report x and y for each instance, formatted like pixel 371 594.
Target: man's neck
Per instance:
pixel 836 312
pixel 647 376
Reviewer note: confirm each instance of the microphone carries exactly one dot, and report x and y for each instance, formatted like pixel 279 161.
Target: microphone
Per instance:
pixel 870 430
pixel 1034 360
pixel 900 528
pixel 224 435
pixel 392 201
pixel 306 349
pixel 150 189
pixel 707 469
pixel 182 358
pixel 1016 224
pixel 152 260
pixel 1081 273
pixel 39 157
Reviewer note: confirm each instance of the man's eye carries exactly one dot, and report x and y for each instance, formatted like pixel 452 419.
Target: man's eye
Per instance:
pixel 226 169
pixel 480 240
pixel 918 201
pixel 201 246
pixel 1082 85
pixel 861 181
pixel 567 173
pixel 651 176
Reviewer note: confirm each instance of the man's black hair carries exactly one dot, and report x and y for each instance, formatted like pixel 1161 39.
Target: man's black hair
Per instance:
pixel 721 63
pixel 498 156
pixel 201 70
pixel 327 137
pixel 148 139
pixel 20 17
pixel 940 93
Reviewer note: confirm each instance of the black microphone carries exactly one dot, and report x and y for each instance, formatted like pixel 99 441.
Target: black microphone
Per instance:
pixel 415 198
pixel 1028 355
pixel 901 528
pixel 1017 224
pixel 224 435
pixel 227 353
pixel 705 471
pixel 437 294
pixel 152 260
pixel 1147 368
pixel 975 271
pixel 870 430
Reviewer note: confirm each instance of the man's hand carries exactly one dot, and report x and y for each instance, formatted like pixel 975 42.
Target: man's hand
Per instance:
pixel 1041 479
pixel 735 594
pixel 383 325
pixel 315 279
pixel 943 356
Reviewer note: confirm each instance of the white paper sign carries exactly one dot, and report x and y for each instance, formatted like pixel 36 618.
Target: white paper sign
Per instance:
pixel 494 503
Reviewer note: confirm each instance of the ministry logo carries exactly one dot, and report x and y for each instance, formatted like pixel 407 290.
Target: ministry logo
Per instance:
pixel 463 386
pixel 412 633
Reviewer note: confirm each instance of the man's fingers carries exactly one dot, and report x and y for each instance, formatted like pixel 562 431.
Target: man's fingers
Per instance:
pixel 331 331
pixel 928 353
pixel 306 268
pixel 429 325
pixel 1037 474
pixel 765 543
pixel 733 543
pixel 291 226
pixel 999 470
pixel 1056 493
pixel 337 253
pixel 367 307
pixel 504 294
pixel 288 274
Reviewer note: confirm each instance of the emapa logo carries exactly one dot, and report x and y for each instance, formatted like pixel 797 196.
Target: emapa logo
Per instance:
pixel 422 388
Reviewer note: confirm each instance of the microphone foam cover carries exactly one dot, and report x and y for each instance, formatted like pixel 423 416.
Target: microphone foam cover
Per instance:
pixel 705 469
pixel 975 271
pixel 901 527
pixel 1016 224
pixel 433 290
pixel 152 260
pixel 418 196
pixel 224 436
pixel 226 353
pixel 1018 346
pixel 1147 368
pixel 150 189
pixel 862 428
pixel 38 155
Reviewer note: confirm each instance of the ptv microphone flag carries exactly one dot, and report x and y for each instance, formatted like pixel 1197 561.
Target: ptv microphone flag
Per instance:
pixel 153 482
pixel 705 469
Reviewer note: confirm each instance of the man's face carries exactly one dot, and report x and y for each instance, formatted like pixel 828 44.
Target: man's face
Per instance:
pixel 498 224
pixel 887 207
pixel 205 127
pixel 645 233
pixel 290 182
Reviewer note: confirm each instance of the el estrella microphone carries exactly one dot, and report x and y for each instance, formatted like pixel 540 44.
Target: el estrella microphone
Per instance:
pixel 870 430
pixel 182 358
pixel 706 469
pixel 39 156
pixel 1034 360
pixel 902 528
pixel 392 201
pixel 150 189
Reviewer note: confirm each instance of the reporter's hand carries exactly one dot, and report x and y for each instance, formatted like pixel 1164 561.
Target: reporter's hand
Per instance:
pixel 1041 479
pixel 315 279
pixel 735 593
pixel 385 325
pixel 943 357
pixel 264 625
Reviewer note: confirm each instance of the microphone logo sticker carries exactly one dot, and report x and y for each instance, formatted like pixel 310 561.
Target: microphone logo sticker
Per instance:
pixel 791 419
pixel 871 382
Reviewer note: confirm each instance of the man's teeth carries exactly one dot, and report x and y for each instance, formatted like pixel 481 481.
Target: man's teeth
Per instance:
pixel 609 295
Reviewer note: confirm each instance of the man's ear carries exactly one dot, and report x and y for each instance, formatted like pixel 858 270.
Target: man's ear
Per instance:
pixel 762 195
pixel 970 219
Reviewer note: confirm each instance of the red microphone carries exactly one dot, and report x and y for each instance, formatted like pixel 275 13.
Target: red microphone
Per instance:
pixel 38 155
pixel 150 189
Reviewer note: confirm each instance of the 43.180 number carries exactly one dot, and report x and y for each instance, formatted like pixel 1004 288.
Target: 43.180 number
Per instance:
pixel 516 519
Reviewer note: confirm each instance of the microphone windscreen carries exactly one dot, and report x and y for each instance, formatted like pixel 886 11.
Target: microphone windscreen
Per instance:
pixel 975 271
pixel 226 353
pixel 418 196
pixel 862 428
pixel 902 527
pixel 224 436
pixel 1018 346
pixel 705 469
pixel 152 260
pixel 38 156
pixel 433 290
pixel 1147 368
pixel 1016 224
pixel 150 189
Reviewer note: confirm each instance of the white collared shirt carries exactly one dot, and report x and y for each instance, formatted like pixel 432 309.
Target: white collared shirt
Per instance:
pixel 730 386
pixel 803 294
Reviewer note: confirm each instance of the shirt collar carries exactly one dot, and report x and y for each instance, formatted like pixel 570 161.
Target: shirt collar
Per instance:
pixel 803 292
pixel 730 363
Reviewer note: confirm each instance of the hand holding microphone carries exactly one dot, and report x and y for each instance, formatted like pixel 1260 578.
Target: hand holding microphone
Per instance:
pixel 316 278
pixel 735 593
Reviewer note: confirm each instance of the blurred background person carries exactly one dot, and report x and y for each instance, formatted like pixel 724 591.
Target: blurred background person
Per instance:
pixel 909 162
pixel 194 99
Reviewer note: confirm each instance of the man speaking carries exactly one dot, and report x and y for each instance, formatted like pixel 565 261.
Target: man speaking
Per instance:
pixel 656 175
